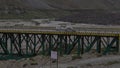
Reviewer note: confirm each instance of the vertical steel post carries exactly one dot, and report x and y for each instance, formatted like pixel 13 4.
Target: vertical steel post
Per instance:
pixel 79 46
pixel 50 44
pixel 117 44
pixel 69 44
pixel 19 44
pixel 4 43
pixel 27 43
pixel 34 50
pixel 6 46
pixel 42 44
pixel 66 43
pixel 82 44
pixel 60 44
pixel 99 45
pixel 11 43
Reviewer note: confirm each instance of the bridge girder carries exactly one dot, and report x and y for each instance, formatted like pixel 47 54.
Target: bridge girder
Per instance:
pixel 19 45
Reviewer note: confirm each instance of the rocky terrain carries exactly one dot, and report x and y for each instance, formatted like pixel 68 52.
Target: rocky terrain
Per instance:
pixel 66 61
pixel 93 17
pixel 63 4
pixel 53 8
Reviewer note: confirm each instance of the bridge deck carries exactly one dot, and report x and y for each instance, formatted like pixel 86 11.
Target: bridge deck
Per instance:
pixel 60 33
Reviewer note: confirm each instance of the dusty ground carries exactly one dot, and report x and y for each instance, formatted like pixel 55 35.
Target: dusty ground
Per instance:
pixel 66 61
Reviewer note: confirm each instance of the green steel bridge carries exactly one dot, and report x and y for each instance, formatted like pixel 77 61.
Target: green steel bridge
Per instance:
pixel 15 44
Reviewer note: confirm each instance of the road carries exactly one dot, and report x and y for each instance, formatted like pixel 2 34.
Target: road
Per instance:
pixel 48 28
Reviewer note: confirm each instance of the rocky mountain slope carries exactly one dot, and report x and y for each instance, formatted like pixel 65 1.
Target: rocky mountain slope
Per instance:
pixel 93 17
pixel 52 8
pixel 63 4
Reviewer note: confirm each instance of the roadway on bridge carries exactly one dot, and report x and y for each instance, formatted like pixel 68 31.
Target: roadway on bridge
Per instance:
pixel 77 29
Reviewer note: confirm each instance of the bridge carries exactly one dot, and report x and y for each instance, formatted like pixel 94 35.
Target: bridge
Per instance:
pixel 21 43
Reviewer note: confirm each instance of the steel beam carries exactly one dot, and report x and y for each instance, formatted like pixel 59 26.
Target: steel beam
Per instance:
pixel 31 44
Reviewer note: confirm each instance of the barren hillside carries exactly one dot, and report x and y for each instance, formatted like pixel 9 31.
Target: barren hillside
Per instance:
pixel 45 8
pixel 63 4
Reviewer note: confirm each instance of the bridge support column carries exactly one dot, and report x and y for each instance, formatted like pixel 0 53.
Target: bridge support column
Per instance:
pixel 119 44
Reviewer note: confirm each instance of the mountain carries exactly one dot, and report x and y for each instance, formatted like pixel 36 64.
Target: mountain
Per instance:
pixel 53 8
pixel 61 4
pixel 93 17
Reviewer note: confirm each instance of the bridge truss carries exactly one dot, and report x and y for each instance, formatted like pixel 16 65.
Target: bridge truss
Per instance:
pixel 16 43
